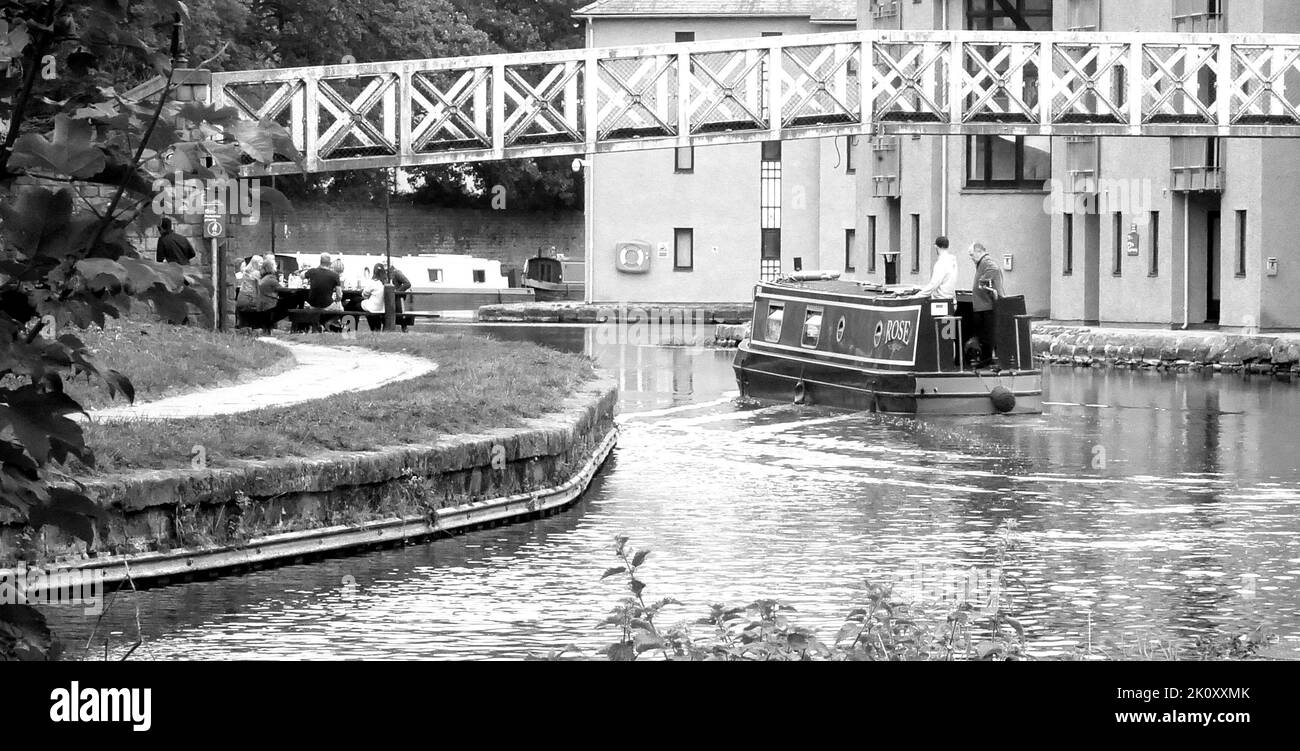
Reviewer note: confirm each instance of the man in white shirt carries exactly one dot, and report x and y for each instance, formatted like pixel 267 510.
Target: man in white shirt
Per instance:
pixel 943 276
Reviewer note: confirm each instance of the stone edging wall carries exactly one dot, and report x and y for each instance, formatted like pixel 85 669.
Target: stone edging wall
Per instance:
pixel 1167 350
pixel 159 511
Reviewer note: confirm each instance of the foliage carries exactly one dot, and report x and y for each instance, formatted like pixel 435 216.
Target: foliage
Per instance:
pixel 66 262
pixel 884 629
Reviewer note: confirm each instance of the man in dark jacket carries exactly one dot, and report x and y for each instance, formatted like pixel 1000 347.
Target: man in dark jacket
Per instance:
pixel 987 291
pixel 322 282
pixel 172 248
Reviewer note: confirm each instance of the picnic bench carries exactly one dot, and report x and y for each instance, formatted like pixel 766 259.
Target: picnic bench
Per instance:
pixel 315 319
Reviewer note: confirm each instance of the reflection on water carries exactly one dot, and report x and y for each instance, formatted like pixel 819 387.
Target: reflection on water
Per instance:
pixel 1140 505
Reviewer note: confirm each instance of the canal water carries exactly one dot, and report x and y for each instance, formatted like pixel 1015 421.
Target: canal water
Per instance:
pixel 1145 510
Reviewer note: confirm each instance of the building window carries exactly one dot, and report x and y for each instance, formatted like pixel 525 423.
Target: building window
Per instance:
pixel 1154 268
pixel 1118 241
pixel 685 159
pixel 850 149
pixel 683 249
pixel 775 315
pixel 480 276
pixel 770 211
pixel 1241 242
pixel 1009 15
pixel 1067 265
pixel 771 252
pixel 1008 161
pixel 684 36
pixel 850 249
pixel 812 327
pixel 916 243
pixel 871 244
pixel 435 275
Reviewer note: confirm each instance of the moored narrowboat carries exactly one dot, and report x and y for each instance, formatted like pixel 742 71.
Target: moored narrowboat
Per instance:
pixel 818 340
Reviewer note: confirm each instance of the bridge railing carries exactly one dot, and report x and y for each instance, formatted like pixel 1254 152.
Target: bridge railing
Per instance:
pixel 590 101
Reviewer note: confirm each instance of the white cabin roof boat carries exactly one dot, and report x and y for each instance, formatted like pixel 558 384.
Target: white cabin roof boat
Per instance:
pixel 439 281
pixel 819 340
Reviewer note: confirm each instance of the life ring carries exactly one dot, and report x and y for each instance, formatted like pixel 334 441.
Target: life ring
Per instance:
pixel 636 252
pixel 800 392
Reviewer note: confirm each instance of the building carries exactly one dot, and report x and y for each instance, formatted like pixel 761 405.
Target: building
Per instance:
pixel 1119 231
pixel 715 218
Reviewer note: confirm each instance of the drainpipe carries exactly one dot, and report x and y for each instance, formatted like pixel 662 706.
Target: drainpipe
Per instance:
pixel 589 205
pixel 1187 257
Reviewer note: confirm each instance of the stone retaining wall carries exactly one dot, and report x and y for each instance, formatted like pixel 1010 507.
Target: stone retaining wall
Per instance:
pixel 1171 350
pixel 149 512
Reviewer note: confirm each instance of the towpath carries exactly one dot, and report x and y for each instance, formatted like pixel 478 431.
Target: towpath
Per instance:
pixel 320 372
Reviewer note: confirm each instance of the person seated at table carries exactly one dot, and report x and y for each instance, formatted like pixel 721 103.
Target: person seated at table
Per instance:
pixel 399 281
pixel 248 308
pixel 269 290
pixel 323 282
pixel 372 298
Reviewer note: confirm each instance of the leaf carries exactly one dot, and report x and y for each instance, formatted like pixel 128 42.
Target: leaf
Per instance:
pixel 70 511
pixel 621 652
pixel 639 558
pixel 613 572
pixel 25 634
pixel 67 151
pixel 198 112
pixel 38 422
pixel 637 586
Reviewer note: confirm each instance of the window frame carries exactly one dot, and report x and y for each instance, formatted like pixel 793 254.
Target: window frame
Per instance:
pixel 916 243
pixel 850 149
pixel 987 181
pixel 1067 246
pixel 850 244
pixel 479 276
pixel 811 312
pixel 1117 239
pixel 683 37
pixel 435 275
pixel 1153 236
pixel 677 160
pixel 871 243
pixel 678 233
pixel 1242 228
pixel 777 307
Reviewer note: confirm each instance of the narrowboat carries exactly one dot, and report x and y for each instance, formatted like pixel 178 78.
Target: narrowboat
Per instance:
pixel 439 281
pixel 817 339
pixel 555 278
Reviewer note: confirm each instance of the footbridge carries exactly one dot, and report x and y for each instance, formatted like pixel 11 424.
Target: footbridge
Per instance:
pixel 863 83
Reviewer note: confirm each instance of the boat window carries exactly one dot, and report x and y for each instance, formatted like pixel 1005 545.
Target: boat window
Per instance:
pixel 812 327
pixel 839 329
pixel 435 275
pixel 775 314
pixel 480 276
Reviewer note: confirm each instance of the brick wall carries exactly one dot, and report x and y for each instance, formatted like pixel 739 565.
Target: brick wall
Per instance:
pixel 510 238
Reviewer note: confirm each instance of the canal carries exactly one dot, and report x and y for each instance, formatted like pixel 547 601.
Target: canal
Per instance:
pixel 1141 509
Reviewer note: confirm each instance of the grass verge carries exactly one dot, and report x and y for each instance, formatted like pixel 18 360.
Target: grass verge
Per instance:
pixel 480 384
pixel 162 360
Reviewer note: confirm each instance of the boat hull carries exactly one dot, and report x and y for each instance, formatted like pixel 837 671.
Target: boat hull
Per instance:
pixel 778 378
pixel 555 291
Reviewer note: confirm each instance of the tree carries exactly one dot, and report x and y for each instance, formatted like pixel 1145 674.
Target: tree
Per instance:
pixel 67 262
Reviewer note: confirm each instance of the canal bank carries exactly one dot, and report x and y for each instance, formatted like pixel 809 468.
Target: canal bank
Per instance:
pixel 617 312
pixel 217 511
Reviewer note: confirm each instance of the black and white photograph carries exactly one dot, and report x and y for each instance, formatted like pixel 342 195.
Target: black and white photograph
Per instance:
pixel 581 331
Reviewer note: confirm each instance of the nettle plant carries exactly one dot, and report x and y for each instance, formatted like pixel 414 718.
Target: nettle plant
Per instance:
pixel 66 261
pixel 884 628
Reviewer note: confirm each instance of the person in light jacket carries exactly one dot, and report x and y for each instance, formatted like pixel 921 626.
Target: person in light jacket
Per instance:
pixel 372 298
pixel 987 291
pixel 943 276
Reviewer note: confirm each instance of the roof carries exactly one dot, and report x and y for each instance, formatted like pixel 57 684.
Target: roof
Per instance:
pixel 824 11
